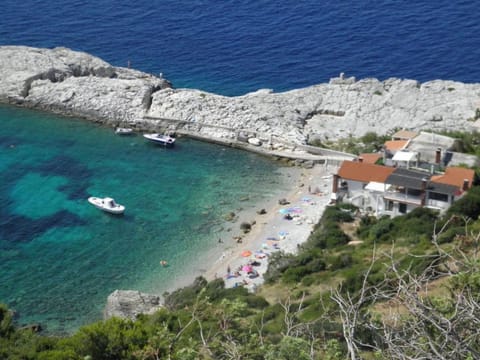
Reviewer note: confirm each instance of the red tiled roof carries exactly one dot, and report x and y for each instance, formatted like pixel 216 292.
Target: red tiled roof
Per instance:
pixel 370 158
pixel 395 144
pixel 363 172
pixel 455 176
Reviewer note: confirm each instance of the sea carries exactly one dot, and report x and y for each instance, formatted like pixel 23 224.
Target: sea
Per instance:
pixel 59 256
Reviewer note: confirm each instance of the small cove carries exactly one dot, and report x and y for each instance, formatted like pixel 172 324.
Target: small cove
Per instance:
pixel 60 257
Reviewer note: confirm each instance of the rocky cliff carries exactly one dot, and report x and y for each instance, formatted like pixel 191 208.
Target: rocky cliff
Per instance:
pixel 75 83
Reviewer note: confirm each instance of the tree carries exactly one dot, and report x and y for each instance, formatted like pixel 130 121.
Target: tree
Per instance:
pixel 6 321
pixel 289 348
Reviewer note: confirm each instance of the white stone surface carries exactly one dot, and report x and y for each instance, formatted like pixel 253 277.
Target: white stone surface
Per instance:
pixel 79 84
pixel 128 304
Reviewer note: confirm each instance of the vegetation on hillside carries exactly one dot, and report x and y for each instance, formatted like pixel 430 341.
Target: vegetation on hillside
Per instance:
pixel 371 142
pixel 368 143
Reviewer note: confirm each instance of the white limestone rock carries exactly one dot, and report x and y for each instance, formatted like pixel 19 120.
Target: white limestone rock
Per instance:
pixel 75 83
pixel 128 304
pixel 329 111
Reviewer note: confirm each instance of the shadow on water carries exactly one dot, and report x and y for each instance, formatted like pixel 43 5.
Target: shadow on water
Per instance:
pixel 17 228
pixel 78 175
pixel 8 141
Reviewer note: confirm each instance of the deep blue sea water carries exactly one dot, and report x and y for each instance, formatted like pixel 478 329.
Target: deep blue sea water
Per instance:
pixel 59 257
pixel 233 47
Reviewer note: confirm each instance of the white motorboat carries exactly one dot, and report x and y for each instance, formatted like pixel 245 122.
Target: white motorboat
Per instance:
pixel 161 139
pixel 106 204
pixel 123 131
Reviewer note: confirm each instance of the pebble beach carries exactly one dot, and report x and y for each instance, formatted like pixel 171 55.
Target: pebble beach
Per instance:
pixel 284 226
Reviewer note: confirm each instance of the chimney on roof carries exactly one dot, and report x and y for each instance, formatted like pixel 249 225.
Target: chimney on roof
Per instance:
pixel 438 156
pixel 465 184
pixel 335 184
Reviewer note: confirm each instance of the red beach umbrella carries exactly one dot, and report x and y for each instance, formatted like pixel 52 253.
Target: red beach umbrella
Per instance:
pixel 246 253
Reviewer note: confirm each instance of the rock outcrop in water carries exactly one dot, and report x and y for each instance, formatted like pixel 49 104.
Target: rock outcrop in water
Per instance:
pixel 74 83
pixel 78 84
pixel 127 304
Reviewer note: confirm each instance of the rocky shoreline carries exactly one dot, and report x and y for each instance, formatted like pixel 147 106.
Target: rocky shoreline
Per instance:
pixel 77 84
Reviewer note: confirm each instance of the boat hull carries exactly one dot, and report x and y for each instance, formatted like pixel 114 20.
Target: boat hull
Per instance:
pixel 101 204
pixel 123 131
pixel 160 139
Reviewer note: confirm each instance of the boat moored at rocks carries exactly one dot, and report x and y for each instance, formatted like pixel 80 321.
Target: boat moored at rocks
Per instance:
pixel 161 139
pixel 123 131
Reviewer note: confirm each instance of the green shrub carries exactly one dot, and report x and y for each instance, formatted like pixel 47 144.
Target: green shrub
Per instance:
pixel 308 280
pixel 277 264
pixel 341 261
pixel 316 265
pixel 111 339
pixel 381 231
pixel 305 257
pixel 352 279
pixel 6 321
pixel 256 302
pixel 336 237
pixel 185 296
pixel 449 235
pixel 337 215
pixel 415 262
pixel 468 205
pixel 295 274
pixel 366 222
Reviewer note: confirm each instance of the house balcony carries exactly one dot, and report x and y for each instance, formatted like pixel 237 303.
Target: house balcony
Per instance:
pixel 402 197
pixel 437 204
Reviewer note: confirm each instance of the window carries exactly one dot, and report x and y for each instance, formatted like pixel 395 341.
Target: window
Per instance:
pixel 438 196
pixel 402 208
pixel 390 205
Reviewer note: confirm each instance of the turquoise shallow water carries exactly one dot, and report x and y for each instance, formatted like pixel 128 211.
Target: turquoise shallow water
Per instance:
pixel 60 257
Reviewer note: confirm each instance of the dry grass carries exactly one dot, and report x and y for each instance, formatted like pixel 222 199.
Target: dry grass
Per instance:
pixel 279 292
pixel 393 310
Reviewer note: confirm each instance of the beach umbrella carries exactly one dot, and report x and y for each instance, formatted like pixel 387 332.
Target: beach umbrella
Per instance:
pixel 246 253
pixel 247 268
pixel 259 254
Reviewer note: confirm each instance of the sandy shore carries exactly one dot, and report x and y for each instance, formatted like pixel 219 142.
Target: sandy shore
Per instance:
pixel 308 196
